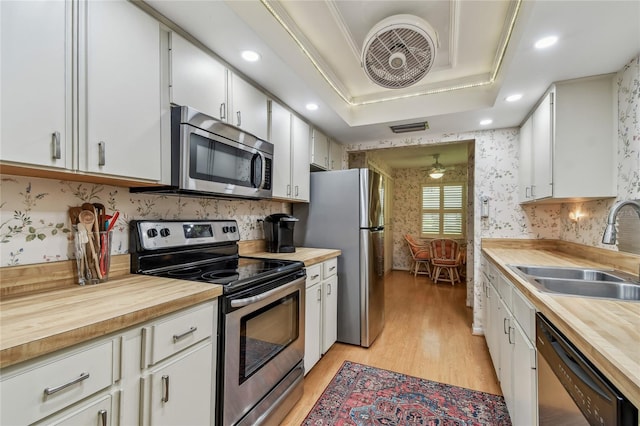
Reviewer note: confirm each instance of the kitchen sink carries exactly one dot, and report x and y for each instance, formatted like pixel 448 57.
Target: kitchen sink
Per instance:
pixel 570 273
pixel 584 282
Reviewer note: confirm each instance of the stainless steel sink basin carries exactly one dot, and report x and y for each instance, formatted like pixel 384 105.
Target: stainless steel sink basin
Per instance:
pixel 584 282
pixel 609 290
pixel 570 273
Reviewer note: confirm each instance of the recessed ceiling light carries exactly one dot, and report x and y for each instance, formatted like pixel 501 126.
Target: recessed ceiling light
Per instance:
pixel 250 56
pixel 312 106
pixel 514 97
pixel 486 122
pixel 545 42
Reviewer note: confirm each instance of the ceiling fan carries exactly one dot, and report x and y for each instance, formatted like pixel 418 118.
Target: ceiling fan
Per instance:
pixel 436 171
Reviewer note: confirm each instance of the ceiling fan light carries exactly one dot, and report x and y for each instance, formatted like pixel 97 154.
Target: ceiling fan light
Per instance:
pixel 435 174
pixel 437 170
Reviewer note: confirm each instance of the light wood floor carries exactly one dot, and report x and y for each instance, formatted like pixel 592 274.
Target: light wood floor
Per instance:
pixel 427 334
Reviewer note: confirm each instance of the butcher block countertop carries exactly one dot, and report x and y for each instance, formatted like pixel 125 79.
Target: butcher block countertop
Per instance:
pixel 35 323
pixel 607 332
pixel 309 256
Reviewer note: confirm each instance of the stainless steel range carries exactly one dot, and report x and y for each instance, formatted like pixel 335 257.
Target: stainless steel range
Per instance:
pixel 261 321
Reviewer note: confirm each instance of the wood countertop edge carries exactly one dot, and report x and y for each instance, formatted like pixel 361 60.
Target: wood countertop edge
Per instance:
pixel 598 351
pixel 49 344
pixel 308 255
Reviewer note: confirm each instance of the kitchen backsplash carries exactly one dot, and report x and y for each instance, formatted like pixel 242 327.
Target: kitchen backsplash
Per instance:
pixel 35 227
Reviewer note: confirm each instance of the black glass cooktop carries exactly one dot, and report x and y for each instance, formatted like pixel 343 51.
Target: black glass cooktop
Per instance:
pixel 233 272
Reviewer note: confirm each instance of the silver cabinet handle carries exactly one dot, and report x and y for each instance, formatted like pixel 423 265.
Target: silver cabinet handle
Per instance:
pixel 52 390
pixel 178 337
pixel 296 191
pixel 55 142
pixel 223 111
pixel 504 325
pixel 103 417
pixel 319 297
pixel 328 289
pixel 101 153
pixel 509 334
pixel 288 189
pixel 313 277
pixel 239 116
pixel 526 192
pixel 165 388
pixel 332 268
pixel 533 193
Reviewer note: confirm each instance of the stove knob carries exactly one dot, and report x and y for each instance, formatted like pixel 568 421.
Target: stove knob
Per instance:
pixel 164 232
pixel 233 229
pixel 225 229
pixel 152 233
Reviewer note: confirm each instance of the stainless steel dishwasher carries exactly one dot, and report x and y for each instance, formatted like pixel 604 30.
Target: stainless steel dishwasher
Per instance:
pixel 571 391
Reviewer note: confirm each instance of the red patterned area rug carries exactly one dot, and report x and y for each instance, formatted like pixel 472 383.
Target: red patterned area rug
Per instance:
pixel 364 395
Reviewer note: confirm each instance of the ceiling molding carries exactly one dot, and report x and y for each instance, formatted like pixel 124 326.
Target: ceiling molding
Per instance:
pixel 315 58
pixel 454 24
pixel 344 29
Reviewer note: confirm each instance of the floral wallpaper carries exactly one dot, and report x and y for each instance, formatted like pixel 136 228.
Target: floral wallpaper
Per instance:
pixel 35 226
pixel 495 175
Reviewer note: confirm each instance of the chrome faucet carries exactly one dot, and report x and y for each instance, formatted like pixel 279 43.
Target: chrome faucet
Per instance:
pixel 609 236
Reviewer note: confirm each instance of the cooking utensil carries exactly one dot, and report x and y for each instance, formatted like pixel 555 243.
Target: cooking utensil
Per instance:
pixel 73 214
pixel 96 228
pixel 88 220
pixel 113 221
pixel 101 213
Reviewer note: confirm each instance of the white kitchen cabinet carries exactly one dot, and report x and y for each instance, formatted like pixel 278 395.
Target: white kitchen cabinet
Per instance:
pixel 510 334
pixel 321 311
pixel 198 80
pixel 571 154
pixel 313 317
pixel 91 106
pixel 336 152
pixel 319 150
pixel 249 107
pixel 36 389
pixel 290 137
pixel 36 83
pixel 122 60
pixel 180 390
pixel 99 412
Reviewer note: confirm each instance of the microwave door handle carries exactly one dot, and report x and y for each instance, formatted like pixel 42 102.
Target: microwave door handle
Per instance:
pixel 263 170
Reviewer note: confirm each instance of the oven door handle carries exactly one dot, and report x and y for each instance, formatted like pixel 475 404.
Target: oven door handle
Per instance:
pixel 254 299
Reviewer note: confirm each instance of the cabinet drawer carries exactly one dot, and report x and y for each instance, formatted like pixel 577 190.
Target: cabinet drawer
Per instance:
pixel 504 288
pixel 524 313
pixel 180 331
pixel 329 268
pixel 45 389
pixel 314 275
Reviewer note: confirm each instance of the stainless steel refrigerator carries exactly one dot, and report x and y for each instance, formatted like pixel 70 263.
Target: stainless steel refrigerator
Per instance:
pixel 346 212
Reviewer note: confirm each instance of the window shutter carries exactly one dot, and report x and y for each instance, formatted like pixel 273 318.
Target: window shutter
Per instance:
pixel 443 210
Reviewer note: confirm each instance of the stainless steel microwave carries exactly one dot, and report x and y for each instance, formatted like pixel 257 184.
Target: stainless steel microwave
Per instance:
pixel 212 158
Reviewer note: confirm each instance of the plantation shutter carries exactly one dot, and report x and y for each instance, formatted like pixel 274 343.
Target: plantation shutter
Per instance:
pixel 443 210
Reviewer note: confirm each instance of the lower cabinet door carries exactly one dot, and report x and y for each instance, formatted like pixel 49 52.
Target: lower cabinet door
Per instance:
pixel 99 412
pixel 312 326
pixel 524 409
pixel 330 312
pixel 181 391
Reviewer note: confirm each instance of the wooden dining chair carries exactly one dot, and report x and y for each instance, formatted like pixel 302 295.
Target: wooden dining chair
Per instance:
pixel 445 257
pixel 420 255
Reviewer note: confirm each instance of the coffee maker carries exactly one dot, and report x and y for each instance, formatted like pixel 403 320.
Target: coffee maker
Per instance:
pixel 278 233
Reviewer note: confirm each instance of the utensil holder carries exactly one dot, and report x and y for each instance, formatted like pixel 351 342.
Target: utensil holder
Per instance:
pixel 93 255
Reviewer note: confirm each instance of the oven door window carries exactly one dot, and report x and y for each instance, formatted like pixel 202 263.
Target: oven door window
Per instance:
pixel 217 161
pixel 267 332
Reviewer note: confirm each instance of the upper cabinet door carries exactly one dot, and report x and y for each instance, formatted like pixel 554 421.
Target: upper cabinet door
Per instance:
pixel 320 151
pixel 249 108
pixel 301 177
pixel 35 83
pixel 280 137
pixel 542 149
pixel 525 170
pixel 122 83
pixel 336 150
pixel 197 79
